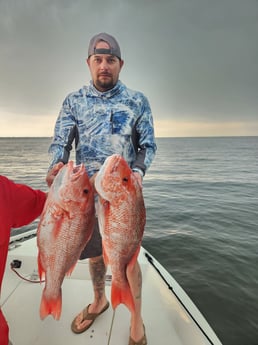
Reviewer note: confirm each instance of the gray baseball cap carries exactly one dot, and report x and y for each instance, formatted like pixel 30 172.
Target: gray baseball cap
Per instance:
pixel 112 42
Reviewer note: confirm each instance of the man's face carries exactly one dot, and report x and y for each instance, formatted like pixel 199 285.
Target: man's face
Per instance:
pixel 104 68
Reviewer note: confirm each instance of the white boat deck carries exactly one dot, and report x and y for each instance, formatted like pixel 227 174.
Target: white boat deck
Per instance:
pixel 166 320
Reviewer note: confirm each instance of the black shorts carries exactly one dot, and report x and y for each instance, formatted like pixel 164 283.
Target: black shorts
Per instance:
pixel 94 246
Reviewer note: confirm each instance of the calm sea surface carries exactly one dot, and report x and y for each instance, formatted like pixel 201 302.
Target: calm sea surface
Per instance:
pixel 202 220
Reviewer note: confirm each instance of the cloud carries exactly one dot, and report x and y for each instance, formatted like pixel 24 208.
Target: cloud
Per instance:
pixel 177 128
pixel 193 59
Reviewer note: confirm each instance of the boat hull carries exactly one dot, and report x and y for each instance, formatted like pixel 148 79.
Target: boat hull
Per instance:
pixel 169 315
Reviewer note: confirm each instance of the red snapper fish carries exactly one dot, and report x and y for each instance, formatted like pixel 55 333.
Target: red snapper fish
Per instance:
pixel 122 217
pixel 65 227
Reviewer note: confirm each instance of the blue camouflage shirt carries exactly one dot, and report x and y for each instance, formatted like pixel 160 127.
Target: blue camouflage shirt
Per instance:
pixel 103 123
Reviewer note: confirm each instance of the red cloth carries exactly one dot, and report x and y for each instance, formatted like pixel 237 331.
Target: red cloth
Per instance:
pixel 19 205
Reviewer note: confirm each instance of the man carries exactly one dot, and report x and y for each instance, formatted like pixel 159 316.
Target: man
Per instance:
pixel 19 205
pixel 104 118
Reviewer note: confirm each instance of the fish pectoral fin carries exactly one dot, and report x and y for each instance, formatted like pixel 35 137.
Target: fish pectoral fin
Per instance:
pixel 105 256
pixel 41 270
pixel 57 227
pixel 55 210
pixel 58 212
pixel 70 271
pixel 134 257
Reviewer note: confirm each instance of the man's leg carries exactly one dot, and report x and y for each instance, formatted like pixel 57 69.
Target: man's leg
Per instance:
pixel 93 251
pixel 97 272
pixel 134 277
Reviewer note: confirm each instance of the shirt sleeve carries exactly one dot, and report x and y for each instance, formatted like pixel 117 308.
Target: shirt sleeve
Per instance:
pixel 145 139
pixel 65 133
pixel 27 204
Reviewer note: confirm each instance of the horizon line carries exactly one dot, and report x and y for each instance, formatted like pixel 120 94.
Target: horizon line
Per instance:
pixel 157 137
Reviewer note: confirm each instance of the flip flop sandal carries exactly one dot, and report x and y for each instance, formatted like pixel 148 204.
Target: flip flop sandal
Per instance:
pixel 142 341
pixel 87 316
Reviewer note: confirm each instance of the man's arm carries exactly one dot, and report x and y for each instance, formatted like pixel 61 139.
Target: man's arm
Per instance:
pixel 65 133
pixel 26 203
pixel 145 143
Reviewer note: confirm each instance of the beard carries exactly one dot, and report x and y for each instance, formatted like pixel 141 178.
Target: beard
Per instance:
pixel 104 84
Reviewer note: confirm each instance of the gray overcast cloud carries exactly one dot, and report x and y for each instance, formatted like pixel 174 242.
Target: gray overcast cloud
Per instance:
pixel 194 59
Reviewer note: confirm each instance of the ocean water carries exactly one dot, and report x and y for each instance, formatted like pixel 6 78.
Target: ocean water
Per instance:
pixel 201 197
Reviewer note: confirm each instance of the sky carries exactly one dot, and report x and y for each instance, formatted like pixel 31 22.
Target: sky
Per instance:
pixel 195 60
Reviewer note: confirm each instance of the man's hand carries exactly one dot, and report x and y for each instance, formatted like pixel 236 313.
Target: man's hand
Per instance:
pixel 53 172
pixel 138 177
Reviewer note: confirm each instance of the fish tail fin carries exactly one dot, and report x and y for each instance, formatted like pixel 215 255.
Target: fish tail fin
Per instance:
pixel 123 295
pixel 51 306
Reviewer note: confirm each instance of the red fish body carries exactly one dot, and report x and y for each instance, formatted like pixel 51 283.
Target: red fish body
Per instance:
pixel 65 227
pixel 122 219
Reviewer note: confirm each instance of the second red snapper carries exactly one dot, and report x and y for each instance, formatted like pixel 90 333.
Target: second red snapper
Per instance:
pixel 65 227
pixel 122 219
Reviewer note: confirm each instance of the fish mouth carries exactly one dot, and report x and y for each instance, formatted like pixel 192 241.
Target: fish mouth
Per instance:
pixel 108 177
pixel 112 163
pixel 76 170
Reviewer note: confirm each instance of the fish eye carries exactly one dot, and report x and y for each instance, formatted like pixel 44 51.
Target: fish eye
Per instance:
pixel 85 191
pixel 125 179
